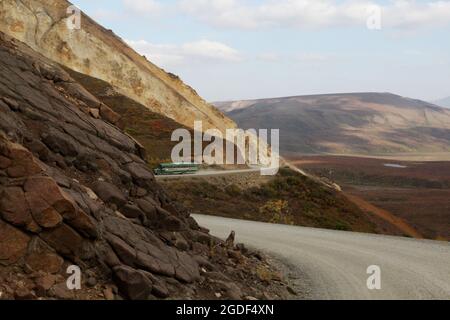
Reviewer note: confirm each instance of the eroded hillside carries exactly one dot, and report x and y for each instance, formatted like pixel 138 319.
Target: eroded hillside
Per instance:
pixel 97 52
pixel 153 130
pixel 75 190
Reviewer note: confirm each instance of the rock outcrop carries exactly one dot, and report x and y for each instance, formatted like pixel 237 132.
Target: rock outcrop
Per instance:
pixel 97 52
pixel 75 190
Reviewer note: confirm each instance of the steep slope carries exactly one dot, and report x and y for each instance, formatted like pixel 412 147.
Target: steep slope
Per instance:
pixel 151 129
pixel 97 52
pixel 360 123
pixel 75 190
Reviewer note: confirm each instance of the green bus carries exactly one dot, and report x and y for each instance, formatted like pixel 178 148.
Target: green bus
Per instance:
pixel 165 169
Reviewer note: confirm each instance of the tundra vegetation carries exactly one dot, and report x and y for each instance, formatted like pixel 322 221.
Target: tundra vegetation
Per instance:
pixel 287 198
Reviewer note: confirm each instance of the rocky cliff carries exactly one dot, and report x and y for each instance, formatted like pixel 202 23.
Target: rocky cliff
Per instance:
pixel 75 190
pixel 99 53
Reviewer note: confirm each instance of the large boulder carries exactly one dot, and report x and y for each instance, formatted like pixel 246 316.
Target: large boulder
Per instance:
pixel 13 244
pixel 22 163
pixel 109 193
pixel 140 173
pixel 109 115
pixel 134 284
pixel 14 207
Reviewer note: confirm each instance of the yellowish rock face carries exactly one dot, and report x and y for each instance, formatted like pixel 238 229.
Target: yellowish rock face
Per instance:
pixel 97 52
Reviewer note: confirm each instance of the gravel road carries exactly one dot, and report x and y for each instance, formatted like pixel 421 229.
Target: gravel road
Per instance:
pixel 334 263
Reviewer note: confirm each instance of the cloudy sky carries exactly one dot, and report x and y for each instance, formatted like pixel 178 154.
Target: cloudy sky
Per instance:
pixel 245 49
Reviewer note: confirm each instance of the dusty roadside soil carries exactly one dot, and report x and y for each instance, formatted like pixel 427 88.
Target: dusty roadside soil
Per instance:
pixel 385 215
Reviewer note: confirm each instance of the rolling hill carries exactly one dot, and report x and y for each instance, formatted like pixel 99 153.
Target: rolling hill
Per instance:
pixel 353 123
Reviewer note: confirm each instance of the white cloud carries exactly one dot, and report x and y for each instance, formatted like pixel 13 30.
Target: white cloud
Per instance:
pixel 163 55
pixel 170 55
pixel 143 7
pixel 315 13
pixel 411 14
pixel 211 50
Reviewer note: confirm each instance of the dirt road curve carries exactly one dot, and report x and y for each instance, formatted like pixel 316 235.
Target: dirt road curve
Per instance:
pixel 206 173
pixel 335 262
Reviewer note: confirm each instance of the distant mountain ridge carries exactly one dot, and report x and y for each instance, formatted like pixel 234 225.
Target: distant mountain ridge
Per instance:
pixel 354 123
pixel 445 102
